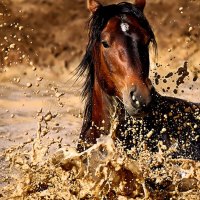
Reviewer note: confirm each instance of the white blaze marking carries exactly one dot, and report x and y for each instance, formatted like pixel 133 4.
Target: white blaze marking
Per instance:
pixel 124 27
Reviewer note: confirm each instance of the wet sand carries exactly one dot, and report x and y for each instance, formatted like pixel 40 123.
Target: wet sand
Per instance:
pixel 21 104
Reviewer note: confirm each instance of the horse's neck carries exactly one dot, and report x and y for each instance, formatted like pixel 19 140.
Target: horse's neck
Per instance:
pixel 98 116
pixel 103 108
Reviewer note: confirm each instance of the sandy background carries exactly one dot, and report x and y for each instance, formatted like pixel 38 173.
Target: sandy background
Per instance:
pixel 42 42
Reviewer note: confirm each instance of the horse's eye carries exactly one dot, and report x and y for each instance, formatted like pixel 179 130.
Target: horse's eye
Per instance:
pixel 105 44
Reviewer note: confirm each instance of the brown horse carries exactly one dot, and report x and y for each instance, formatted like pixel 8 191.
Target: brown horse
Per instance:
pixel 117 66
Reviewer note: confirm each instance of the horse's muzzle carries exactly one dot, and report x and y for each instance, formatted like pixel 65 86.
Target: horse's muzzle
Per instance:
pixel 137 101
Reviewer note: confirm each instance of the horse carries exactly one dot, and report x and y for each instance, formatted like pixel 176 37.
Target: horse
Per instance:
pixel 116 63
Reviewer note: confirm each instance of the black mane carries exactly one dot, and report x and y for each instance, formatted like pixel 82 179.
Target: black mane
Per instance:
pixel 96 24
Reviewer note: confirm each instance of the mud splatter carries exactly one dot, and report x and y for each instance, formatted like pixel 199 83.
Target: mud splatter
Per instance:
pixel 183 73
pixel 102 172
pixel 33 170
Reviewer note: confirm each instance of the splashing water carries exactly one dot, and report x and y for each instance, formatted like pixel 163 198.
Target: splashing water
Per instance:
pixel 104 171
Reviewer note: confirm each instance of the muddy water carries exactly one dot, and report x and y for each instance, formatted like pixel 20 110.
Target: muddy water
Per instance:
pixel 40 121
pixel 40 109
pixel 27 96
pixel 102 172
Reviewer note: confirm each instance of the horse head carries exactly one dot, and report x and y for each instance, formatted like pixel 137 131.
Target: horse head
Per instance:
pixel 121 53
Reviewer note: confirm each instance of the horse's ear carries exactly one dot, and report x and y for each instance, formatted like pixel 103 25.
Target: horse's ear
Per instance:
pixel 93 5
pixel 140 4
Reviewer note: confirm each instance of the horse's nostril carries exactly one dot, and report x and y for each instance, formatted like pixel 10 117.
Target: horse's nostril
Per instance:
pixel 132 93
pixel 133 97
pixel 137 103
pixel 135 100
